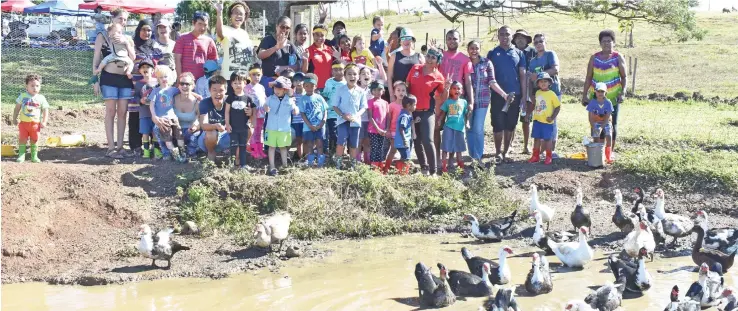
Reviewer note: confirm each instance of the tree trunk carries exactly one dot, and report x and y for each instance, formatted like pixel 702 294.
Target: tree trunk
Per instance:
pixel 398 6
pixel 348 8
pixel 363 3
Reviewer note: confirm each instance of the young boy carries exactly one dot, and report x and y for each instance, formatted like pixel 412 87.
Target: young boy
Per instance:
pixel 121 53
pixel 141 91
pixel 405 133
pixel 100 19
pixel 236 119
pixel 279 107
pixel 454 121
pixel 376 44
pixel 166 124
pixel 600 109
pixel 297 121
pixel 257 93
pixel 547 107
pixel 349 102
pixel 393 112
pixel 314 111
pixel 330 88
pixel 201 85
pixel 377 112
pixel 35 114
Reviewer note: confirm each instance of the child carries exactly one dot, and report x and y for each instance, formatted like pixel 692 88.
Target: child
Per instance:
pixel 405 133
pixel 121 52
pixel 361 55
pixel 299 92
pixel 166 124
pixel 236 119
pixel 377 113
pixel 100 19
pixel 349 102
pixel 314 111
pixel 201 85
pixel 394 110
pixel 35 114
pixel 365 79
pixel 142 90
pixel 454 121
pixel 600 109
pixel 257 93
pixel 278 129
pixel 376 44
pixel 330 88
pixel 547 107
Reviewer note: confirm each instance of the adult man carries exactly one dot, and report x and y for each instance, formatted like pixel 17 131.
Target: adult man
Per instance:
pixel 214 137
pixel 192 50
pixel 510 70
pixel 339 29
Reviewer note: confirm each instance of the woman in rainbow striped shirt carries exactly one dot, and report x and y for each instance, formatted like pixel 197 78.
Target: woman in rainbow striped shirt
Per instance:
pixel 608 67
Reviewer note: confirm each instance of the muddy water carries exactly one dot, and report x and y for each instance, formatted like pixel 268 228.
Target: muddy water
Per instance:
pixel 374 274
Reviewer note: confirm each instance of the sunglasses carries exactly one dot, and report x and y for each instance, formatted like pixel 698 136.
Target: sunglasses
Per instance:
pixel 539 41
pixel 185 84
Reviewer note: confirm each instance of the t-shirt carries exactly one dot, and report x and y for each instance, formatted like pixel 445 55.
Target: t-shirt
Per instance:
pixel 297 119
pixel 394 113
pixel 214 114
pixel 314 107
pixel 286 56
pixel 457 64
pixel 378 107
pixel 164 54
pixel 330 88
pixel 425 87
pixel 143 90
pixel 404 134
pixel 600 110
pixel 163 101
pixel 376 46
pixel 456 113
pixel 351 101
pixel 546 62
pixel 280 111
pixel 257 93
pixel 320 63
pixel 507 64
pixel 364 57
pixel 31 107
pixel 202 87
pixel 546 102
pixel 195 51
pixel 238 50
pixel 237 115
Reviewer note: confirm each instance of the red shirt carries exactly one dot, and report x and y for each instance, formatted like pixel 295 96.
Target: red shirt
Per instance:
pixel 321 61
pixel 424 86
pixel 195 51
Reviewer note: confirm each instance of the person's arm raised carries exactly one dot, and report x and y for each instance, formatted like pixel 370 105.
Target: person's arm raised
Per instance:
pixel 218 5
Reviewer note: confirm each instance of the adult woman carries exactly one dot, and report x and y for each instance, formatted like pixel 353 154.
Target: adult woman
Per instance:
pixel 483 79
pixel 319 57
pixel 544 60
pixel 144 48
pixel 400 62
pixel 238 50
pixel 422 81
pixel 164 45
pixel 186 107
pixel 611 71
pixel 115 87
pixel 276 52
pixel 300 41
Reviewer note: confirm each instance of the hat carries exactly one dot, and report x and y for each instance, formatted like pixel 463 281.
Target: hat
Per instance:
pixel 282 83
pixel 522 32
pixel 376 85
pixel 163 22
pixel 338 23
pixel 299 76
pixel 146 61
pixel 544 76
pixel 601 87
pixel 211 66
pixel 406 32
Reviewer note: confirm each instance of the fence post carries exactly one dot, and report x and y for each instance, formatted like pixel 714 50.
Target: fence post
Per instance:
pixel 463 30
pixel 477 27
pixel 443 38
pixel 635 70
pixel 630 65
pixel 426 39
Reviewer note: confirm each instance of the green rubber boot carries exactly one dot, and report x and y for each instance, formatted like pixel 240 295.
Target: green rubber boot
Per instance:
pixel 21 154
pixel 34 154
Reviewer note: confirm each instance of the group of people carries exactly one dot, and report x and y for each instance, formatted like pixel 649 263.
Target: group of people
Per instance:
pixel 377 100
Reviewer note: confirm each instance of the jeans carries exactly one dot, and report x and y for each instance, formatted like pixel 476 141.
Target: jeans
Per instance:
pixel 475 138
pixel 331 135
pixel 425 150
pixel 135 139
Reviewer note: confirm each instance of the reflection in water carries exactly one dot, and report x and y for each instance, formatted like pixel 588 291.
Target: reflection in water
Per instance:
pixel 374 274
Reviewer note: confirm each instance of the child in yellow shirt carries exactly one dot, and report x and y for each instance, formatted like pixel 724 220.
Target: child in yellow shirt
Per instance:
pixel 33 111
pixel 544 111
pixel 360 54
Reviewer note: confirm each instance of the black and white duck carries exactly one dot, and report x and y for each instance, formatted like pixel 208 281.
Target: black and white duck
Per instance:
pixel 620 218
pixel 495 230
pixel 427 284
pixel 580 216
pixel 504 301
pixel 685 304
pixel 640 237
pixel 702 289
pixel 501 275
pixel 537 282
pixel 637 277
pixel 638 203
pixel 673 225
pixel 159 246
pixel 466 284
pixel 541 237
pixel 710 256
pixel 722 239
pixel 475 263
pixel 442 295
pixel 729 295
pixel 606 298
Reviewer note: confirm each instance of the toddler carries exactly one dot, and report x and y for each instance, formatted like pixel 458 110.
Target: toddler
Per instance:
pixel 405 134
pixel 314 111
pixel 33 111
pixel 377 44
pixel 454 121
pixel 257 93
pixel 236 119
pixel 377 113
pixel 120 52
pixel 600 110
pixel 330 88
pixel 359 53
pixel 393 111
pixel 142 91
pixel 166 124
pixel 545 109
pixel 349 103
pixel 297 121
pixel 212 68
pixel 279 107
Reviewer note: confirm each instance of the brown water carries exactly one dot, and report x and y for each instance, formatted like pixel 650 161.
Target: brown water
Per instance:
pixel 375 274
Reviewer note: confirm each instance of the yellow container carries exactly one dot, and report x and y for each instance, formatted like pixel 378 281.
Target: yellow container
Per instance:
pixel 9 151
pixel 66 141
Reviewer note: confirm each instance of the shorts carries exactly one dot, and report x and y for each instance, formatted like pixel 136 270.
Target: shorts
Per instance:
pixel 542 131
pixel 175 131
pixel 453 140
pixel 145 125
pixel 348 135
pixel 405 152
pixel 28 130
pixel 297 130
pixel 224 142
pixel 313 136
pixel 602 131
pixel 504 121
pixel 364 132
pixel 278 139
pixel 239 139
pixel 111 92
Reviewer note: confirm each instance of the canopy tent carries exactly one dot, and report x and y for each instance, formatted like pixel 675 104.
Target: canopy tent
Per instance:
pixel 16 5
pixel 57 7
pixel 133 6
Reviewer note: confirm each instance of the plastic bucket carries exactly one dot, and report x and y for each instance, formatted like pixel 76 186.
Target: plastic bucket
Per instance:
pixel 66 141
pixel 9 151
pixel 596 155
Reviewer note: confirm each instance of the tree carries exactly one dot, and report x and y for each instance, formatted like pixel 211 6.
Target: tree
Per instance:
pixel 674 15
pixel 186 9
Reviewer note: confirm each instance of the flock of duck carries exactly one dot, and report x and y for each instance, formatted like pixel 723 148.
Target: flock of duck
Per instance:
pixel 644 228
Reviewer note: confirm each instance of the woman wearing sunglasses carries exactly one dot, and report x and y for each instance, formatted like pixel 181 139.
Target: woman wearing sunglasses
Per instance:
pixel 277 53
pixel 544 61
pixel 402 60
pixel 186 107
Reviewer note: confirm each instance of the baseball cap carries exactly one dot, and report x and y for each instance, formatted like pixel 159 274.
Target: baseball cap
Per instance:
pixel 211 66
pixel 339 23
pixel 282 83
pixel 146 61
pixel 601 87
pixel 376 85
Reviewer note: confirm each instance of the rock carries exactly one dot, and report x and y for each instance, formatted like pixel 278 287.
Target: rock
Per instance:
pixel 293 251
pixel 190 228
pixel 670 98
pixel 698 96
pixel 681 95
pixel 71 114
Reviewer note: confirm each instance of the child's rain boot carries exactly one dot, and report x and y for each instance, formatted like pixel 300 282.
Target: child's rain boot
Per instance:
pixel 310 159
pixel 321 160
pixel 460 164
pixel 444 166
pixel 158 154
pixel 21 154
pixel 400 166
pixel 536 156
pixel 549 158
pixel 608 155
pixel 146 154
pixel 406 168
pixel 34 154
pixel 387 165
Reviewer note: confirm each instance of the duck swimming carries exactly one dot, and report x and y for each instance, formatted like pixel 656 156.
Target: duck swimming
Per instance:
pixel 730 295
pixel 442 295
pixel 722 239
pixel 504 301
pixel 427 284
pixel 547 213
pixel 475 263
pixel 637 278
pixel 469 285
pixel 580 216
pixel 577 305
pixel 536 282
pixel 701 290
pixel 606 298
pixel 702 255
pixel 677 304
pixel 573 254
pixel 541 237
pixel 501 275
pixel 493 231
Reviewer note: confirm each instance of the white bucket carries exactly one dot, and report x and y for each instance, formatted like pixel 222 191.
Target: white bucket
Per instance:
pixel 596 155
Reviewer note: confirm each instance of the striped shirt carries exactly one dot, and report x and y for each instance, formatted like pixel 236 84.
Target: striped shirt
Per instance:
pixel 482 76
pixel 607 71
pixel 195 51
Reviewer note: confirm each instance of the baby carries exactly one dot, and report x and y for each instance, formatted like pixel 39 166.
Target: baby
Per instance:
pixel 120 52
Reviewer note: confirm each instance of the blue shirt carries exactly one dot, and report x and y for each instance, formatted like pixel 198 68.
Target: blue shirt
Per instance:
pixel 215 116
pixel 314 107
pixel 351 101
pixel 330 88
pixel 280 112
pixel 163 101
pixel 507 64
pixel 201 87
pixel 376 47
pixel 594 107
pixel 297 119
pixel 540 64
pixel 403 133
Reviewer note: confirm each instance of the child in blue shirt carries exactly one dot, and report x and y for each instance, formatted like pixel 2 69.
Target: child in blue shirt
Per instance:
pixel 279 108
pixel 166 124
pixel 212 68
pixel 330 88
pixel 314 112
pixel 454 121
pixel 377 44
pixel 349 103
pixel 405 134
pixel 299 91
pixel 600 111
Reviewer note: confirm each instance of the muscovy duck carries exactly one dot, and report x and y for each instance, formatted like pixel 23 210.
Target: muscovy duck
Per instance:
pixel 541 237
pixel 273 230
pixel 574 254
pixel 700 290
pixel 475 262
pixel 730 295
pixel 674 225
pixel 495 230
pixel 547 212
pixel 504 301
pixel 722 239
pixel 427 284
pixel 501 275
pixel 442 295
pixel 160 246
pixel 536 282
pixel 146 242
pixel 620 218
pixel 577 305
pixel 711 283
pixel 469 285
pixel 639 201
pixel 677 304
pixel 640 237
pixel 580 216
pixel 637 278
pixel 608 297
pixel 710 256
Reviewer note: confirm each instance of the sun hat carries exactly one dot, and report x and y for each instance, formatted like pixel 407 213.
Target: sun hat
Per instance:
pixel 407 32
pixel 601 87
pixel 544 76
pixel 282 83
pixel 522 32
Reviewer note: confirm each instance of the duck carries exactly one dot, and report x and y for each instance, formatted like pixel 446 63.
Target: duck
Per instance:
pixel 714 279
pixel 580 216
pixel 146 241
pixel 500 275
pixel 541 237
pixel 608 297
pixel 536 282
pixel 159 246
pixel 504 301
pixel 547 213
pixel 620 218
pixel 640 237
pixel 475 263
pixel 273 230
pixel 710 256
pixel 577 305
pixel 427 284
pixel 442 295
pixel 674 225
pixel 722 239
pixel 546 270
pixel 638 203
pixel 700 290
pixel 637 277
pixel 730 295
pixel 677 304
pixel 495 230
pixel 466 284
pixel 573 254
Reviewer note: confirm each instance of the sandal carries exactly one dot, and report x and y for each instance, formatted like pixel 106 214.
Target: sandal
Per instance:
pixel 124 153
pixel 112 153
pixel 498 159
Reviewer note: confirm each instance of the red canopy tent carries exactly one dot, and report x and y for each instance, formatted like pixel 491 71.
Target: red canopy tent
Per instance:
pixel 16 5
pixel 133 6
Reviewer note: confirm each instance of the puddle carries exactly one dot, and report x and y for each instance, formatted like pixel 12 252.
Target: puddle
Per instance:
pixel 375 274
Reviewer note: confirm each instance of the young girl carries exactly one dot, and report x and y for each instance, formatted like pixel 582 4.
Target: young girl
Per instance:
pixel 349 103
pixel 360 54
pixel 377 113
pixel 330 89
pixel 279 107
pixel 33 110
pixel 547 107
pixel 314 111
pixel 454 121
pixel 235 117
pixel 600 110
pixel 257 93
pixel 120 53
pixel 365 78
pixel 393 112
pixel 405 133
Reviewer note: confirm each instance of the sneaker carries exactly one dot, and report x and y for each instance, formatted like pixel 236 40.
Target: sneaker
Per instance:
pixel 272 172
pixel 157 153
pixel 146 154
pixel 310 159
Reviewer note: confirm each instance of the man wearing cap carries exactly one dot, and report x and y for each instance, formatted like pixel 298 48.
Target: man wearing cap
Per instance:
pixel 522 41
pixel 339 29
pixel 192 50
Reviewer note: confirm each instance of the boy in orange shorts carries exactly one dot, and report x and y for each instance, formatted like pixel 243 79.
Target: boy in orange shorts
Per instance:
pixel 34 113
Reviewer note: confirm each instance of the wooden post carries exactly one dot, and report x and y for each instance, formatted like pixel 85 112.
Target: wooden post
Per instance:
pixel 463 30
pixel 443 38
pixel 426 39
pixel 635 70
pixel 630 65
pixel 478 27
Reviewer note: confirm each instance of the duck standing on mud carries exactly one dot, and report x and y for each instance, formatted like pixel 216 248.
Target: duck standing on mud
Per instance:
pixel 541 237
pixel 620 218
pixel 160 246
pixel 580 216
pixel 673 225
pixel 547 212
pixel 722 239
pixel 273 230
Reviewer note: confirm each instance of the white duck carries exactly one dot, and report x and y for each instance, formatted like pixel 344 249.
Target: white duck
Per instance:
pixel 677 304
pixel 577 305
pixel 640 237
pixel 146 244
pixel 673 225
pixel 547 213
pixel 574 254
pixel 273 230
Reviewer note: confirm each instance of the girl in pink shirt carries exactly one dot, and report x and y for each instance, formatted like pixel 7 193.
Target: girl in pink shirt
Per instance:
pixel 377 113
pixel 393 112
